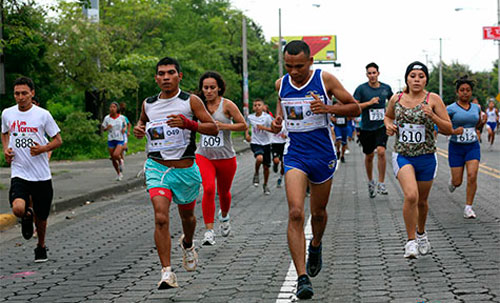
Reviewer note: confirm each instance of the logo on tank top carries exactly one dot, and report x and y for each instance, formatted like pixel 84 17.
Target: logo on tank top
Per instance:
pixel 22 128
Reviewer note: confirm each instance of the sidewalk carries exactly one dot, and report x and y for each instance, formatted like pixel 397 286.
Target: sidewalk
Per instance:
pixel 76 182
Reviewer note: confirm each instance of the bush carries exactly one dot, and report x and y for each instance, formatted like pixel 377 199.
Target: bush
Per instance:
pixel 80 138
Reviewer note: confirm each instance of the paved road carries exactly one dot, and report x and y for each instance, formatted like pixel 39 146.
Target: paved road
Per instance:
pixel 104 252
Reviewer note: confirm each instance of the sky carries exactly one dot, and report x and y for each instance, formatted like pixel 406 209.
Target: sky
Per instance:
pixel 391 33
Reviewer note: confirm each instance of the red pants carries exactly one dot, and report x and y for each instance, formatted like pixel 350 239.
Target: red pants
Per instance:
pixel 224 170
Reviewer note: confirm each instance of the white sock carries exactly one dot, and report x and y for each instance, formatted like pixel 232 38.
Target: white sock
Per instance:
pixel 468 207
pixel 166 269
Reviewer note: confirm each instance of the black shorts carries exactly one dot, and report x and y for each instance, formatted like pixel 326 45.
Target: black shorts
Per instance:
pixel 277 150
pixel 370 139
pixel 40 191
pixel 264 150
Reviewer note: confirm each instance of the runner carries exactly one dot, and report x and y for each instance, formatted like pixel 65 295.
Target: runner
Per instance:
pixel 463 148
pixel 260 141
pixel 25 148
pixel 341 133
pixel 492 121
pixel 115 125
pixel 123 108
pixel 484 117
pixel 170 171
pixel 372 96
pixel 278 142
pixel 304 105
pixel 215 155
pixel 411 115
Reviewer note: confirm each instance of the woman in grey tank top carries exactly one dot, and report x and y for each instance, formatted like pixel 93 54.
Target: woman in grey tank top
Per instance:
pixel 215 155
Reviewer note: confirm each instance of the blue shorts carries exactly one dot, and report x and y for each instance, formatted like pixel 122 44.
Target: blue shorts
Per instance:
pixel 341 133
pixel 184 183
pixel 114 143
pixel 459 153
pixel 492 125
pixel 425 166
pixel 318 170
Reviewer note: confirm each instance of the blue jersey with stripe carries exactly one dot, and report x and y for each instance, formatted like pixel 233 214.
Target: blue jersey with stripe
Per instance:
pixel 310 134
pixel 467 118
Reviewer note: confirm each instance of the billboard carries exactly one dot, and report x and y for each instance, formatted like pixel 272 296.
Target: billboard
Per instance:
pixel 323 48
pixel 491 33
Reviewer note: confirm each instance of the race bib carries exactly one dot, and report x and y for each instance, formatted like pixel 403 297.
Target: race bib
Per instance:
pixel 213 141
pixel 115 135
pixel 377 114
pixel 23 140
pixel 299 117
pixel 412 133
pixel 341 120
pixel 469 135
pixel 163 137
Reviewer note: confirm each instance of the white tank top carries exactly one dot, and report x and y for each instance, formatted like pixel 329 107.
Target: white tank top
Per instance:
pixel 164 142
pixel 220 146
pixel 492 115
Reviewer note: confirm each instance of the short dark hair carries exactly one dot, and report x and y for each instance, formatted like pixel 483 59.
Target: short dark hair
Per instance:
pixel 464 80
pixel 372 64
pixel 295 47
pixel 218 78
pixel 169 61
pixel 24 81
pixel 259 100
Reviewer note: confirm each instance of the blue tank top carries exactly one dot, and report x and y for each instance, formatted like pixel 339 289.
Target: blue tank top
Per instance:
pixel 310 134
pixel 467 118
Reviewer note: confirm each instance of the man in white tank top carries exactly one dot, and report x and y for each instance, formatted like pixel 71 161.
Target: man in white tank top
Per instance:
pixel 167 119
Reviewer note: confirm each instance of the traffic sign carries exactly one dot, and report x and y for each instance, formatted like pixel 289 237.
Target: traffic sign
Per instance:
pixel 491 32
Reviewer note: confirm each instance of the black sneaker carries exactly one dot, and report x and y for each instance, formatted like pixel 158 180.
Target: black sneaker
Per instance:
pixel 314 260
pixel 27 224
pixel 342 159
pixel 41 254
pixel 304 288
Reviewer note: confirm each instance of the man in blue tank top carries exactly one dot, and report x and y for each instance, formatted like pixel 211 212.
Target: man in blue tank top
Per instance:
pixel 304 107
pixel 372 96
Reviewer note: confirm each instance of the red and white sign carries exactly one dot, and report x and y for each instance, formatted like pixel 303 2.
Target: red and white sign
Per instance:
pixel 491 32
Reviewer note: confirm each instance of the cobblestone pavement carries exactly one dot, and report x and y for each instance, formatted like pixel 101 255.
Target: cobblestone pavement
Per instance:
pixel 104 252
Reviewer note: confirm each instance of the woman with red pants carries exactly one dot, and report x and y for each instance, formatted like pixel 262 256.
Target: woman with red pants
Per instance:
pixel 215 155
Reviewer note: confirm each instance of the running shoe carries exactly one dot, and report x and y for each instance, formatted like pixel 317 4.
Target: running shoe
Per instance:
pixel 451 187
pixel 168 279
pixel 469 213
pixel 41 254
pixel 411 249
pixel 189 256
pixel 347 152
pixel 209 238
pixel 267 192
pixel 314 260
pixel 27 224
pixel 120 166
pixel 424 246
pixel 381 189
pixel 225 226
pixel 256 180
pixel 119 177
pixel 278 183
pixel 275 167
pixel 304 288
pixel 342 159
pixel 372 189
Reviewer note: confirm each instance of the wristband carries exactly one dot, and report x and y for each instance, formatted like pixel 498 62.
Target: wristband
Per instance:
pixel 188 123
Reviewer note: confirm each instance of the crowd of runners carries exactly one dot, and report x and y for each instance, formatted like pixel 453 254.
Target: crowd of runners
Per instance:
pixel 304 141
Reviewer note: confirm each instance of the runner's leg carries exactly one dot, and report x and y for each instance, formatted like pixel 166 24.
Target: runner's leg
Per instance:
pixel 472 169
pixel 424 188
pixel 225 172
pixel 207 170
pixel 161 205
pixel 408 182
pixel 319 216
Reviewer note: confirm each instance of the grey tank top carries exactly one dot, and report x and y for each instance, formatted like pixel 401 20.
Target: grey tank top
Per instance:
pixel 220 146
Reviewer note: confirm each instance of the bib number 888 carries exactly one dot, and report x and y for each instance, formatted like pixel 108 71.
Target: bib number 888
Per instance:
pixel 24 142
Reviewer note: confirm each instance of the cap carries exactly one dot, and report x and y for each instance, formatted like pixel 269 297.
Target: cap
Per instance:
pixel 417 65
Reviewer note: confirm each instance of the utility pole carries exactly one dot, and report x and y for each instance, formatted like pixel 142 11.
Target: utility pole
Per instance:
pixel 2 56
pixel 245 66
pixel 441 67
pixel 280 48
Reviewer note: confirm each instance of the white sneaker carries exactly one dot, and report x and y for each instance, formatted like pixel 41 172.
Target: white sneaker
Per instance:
pixel 168 279
pixel 255 180
pixel 347 152
pixel 411 249
pixel 225 226
pixel 424 246
pixel 189 256
pixel 372 189
pixel 119 177
pixel 381 189
pixel 451 187
pixel 469 213
pixel 209 238
pixel 267 192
